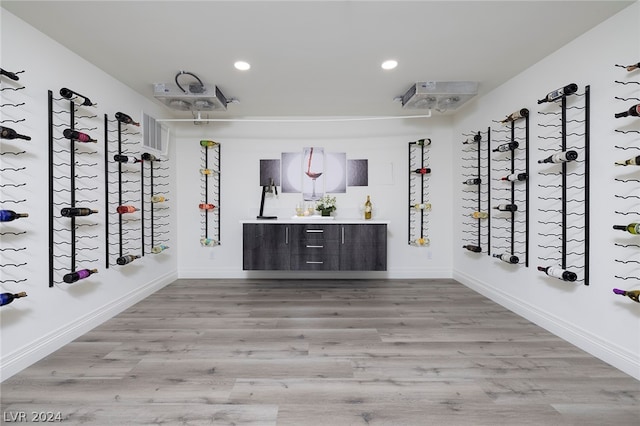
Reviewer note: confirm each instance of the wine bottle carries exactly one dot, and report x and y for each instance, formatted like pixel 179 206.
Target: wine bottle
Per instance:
pixel 560 157
pixel 6 298
pixel 506 207
pixel 368 208
pixel 149 157
pixel 125 159
pixel 206 206
pixel 508 258
pixel 9 74
pixel 159 248
pixel 480 215
pixel 126 209
pixel 9 215
pixel 473 139
pixel 422 171
pixel 474 181
pixel 506 147
pixel 470 247
pixel 74 96
pixel 77 211
pixel 9 133
pixel 635 161
pixel 420 241
pixel 558 93
pixel 78 136
pixel 128 258
pixel 631 294
pixel 158 199
pixel 126 119
pixel 80 274
pixel 423 142
pixel 208 242
pixel 517 115
pixel 632 67
pixel 632 228
pixel 423 206
pixel 208 143
pixel 554 271
pixel 208 171
pixel 633 111
pixel 515 176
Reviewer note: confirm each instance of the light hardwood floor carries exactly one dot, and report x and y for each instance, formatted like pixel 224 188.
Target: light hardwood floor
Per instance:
pixel 322 352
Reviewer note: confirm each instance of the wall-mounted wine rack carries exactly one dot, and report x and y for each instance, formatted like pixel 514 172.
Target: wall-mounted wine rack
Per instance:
pixel 209 193
pixel 476 221
pixel 510 230
pixel 627 180
pixel 123 190
pixel 564 188
pixel 71 184
pixel 419 194
pixel 154 209
pixel 13 178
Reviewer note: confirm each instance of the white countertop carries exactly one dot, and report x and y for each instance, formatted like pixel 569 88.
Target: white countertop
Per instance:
pixel 318 220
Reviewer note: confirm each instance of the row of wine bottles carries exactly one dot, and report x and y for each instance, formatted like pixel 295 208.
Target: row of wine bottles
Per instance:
pixel 145 156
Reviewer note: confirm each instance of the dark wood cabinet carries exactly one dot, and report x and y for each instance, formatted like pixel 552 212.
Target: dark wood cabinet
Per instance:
pixel 314 247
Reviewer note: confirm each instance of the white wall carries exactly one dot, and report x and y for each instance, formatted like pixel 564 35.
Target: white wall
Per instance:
pixel 592 317
pixel 48 318
pixel 384 143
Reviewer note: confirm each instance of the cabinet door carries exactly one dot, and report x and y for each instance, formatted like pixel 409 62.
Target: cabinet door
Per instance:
pixel 265 246
pixel 363 247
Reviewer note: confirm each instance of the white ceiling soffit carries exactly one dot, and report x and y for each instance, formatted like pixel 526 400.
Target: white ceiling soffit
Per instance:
pixel 313 58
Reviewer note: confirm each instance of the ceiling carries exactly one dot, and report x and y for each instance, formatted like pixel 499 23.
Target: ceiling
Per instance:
pixel 313 58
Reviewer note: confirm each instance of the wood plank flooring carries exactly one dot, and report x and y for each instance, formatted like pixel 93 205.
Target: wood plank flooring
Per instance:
pixel 322 352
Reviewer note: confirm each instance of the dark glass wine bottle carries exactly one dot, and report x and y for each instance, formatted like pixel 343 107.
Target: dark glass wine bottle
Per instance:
pixel 76 97
pixel 126 209
pixel 422 171
pixel 632 228
pixel 508 258
pixel 631 294
pixel 77 211
pixel 80 274
pixel 9 133
pixel 506 207
pixel 473 139
pixel 9 74
pixel 474 181
pixel 6 298
pixel 515 176
pixel 128 258
pixel 558 93
pixel 126 119
pixel 10 215
pixel 208 143
pixel 556 272
pixel 471 247
pixel 125 159
pixel 560 157
pixel 506 147
pixel 149 157
pixel 516 115
pixel 77 136
pixel 423 142
pixel 634 111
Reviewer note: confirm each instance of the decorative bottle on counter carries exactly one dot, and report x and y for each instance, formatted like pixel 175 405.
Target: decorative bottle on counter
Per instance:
pixel 368 208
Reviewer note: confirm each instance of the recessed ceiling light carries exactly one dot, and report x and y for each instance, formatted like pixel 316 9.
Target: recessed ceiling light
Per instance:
pixel 389 65
pixel 242 65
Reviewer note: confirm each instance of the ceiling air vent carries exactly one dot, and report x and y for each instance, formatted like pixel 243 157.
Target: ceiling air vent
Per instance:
pixel 439 95
pixel 200 98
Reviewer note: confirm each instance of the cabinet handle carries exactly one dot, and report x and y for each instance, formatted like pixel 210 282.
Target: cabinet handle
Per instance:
pixel 315 262
pixel 286 235
pixel 308 246
pixel 342 234
pixel 315 231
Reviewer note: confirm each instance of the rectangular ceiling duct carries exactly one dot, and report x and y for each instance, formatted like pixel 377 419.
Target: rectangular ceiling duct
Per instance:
pixel 439 95
pixel 205 98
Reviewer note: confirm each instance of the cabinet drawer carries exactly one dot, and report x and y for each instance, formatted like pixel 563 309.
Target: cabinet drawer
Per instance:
pixel 319 261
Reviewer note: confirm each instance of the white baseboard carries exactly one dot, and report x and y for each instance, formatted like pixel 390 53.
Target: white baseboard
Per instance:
pixel 595 345
pixel 204 273
pixel 20 359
